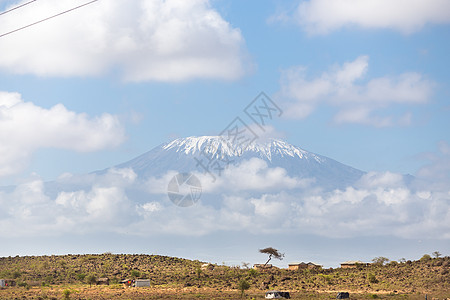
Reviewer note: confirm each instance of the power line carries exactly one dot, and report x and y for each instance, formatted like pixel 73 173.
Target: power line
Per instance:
pixel 14 8
pixel 46 19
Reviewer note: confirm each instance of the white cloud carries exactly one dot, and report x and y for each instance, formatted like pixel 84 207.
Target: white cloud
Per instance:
pixel 150 207
pixel 250 175
pixel 250 198
pixel 374 212
pixel 256 175
pixel 146 40
pixel 357 100
pixel 101 205
pixel 406 16
pixel 265 133
pixel 25 127
pixel 376 179
pixel 381 205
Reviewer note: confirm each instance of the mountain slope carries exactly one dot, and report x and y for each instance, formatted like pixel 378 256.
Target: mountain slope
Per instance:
pixel 194 153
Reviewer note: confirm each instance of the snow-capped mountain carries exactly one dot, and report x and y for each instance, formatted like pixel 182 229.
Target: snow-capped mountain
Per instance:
pixel 206 153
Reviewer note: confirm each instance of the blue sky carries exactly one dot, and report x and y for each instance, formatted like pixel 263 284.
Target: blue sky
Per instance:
pixel 365 84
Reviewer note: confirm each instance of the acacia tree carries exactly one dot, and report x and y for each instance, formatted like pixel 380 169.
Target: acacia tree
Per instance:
pixel 380 260
pixel 272 252
pixel 436 254
pixel 91 279
pixel 243 286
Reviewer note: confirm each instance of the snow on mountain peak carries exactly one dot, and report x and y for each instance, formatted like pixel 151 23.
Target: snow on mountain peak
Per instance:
pixel 218 146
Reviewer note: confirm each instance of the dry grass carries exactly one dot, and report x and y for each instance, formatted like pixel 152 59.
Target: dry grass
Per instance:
pixel 114 292
pixel 49 277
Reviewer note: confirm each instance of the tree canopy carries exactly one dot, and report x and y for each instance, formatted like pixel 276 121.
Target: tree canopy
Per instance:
pixel 272 252
pixel 380 260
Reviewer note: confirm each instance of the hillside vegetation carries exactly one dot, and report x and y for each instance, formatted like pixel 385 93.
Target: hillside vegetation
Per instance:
pixel 425 276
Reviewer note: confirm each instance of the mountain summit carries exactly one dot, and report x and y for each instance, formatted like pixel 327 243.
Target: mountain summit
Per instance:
pixel 218 147
pixel 202 153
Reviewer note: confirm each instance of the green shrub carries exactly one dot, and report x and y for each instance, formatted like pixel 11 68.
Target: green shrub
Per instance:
pixel 198 271
pixel 372 278
pixel 66 294
pixel 16 274
pixel 243 286
pixel 114 280
pixel 81 276
pixel 426 257
pixel 91 279
pixel 135 273
pixel 252 272
pixel 326 278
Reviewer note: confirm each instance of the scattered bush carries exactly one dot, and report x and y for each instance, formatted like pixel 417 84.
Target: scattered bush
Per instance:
pixel 66 294
pixel 252 272
pixel 393 263
pixel 243 286
pixel 16 274
pixel 326 278
pixel 198 271
pixel 135 273
pixel 91 279
pixel 81 276
pixel 426 257
pixel 372 278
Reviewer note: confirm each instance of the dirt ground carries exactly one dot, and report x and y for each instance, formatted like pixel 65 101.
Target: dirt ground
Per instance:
pixel 119 292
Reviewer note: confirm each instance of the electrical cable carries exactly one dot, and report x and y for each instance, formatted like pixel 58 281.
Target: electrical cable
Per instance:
pixel 46 19
pixel 14 8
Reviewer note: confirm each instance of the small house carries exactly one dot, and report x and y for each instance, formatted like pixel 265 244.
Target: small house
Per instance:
pixel 353 264
pixel 102 281
pixel 303 265
pixel 297 266
pixel 142 283
pixel 313 266
pixel 2 282
pixel 208 266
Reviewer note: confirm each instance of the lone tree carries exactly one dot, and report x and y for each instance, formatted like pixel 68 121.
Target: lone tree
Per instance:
pixel 91 279
pixel 436 254
pixel 243 286
pixel 272 252
pixel 380 260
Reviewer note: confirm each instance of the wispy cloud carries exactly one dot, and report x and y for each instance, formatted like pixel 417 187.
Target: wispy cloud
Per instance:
pixel 146 40
pixel 357 100
pixel 26 127
pixel 405 16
